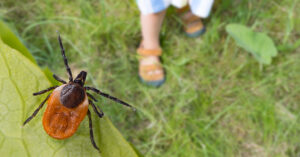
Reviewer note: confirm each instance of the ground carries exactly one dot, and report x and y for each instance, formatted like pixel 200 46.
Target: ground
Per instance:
pixel 217 99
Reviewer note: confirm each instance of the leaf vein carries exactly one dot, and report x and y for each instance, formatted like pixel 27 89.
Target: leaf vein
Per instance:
pixel 21 97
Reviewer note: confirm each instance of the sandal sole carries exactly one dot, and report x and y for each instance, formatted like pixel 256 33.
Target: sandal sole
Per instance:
pixel 196 34
pixel 153 83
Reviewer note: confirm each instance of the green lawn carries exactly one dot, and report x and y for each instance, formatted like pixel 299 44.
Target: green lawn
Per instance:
pixel 217 100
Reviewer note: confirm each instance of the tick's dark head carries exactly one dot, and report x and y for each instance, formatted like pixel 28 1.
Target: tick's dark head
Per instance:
pixel 80 78
pixel 72 95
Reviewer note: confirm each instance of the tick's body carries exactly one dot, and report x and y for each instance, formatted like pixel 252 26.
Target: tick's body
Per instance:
pixel 68 105
pixel 61 122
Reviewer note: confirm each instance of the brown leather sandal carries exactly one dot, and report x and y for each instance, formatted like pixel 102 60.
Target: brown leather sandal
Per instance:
pixel 151 71
pixel 193 25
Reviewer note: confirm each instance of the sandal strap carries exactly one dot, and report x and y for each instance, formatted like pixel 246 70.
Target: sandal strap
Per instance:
pixel 190 19
pixel 145 52
pixel 144 69
pixel 150 67
pixel 183 15
pixel 183 9
pixel 194 26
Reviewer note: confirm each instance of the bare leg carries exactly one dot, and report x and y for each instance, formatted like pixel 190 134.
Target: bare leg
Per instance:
pixel 151 25
pixel 150 69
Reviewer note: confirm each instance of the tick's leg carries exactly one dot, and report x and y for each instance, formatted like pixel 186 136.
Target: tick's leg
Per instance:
pixel 91 130
pixel 108 96
pixel 36 111
pixel 97 109
pixel 45 90
pixel 59 79
pixel 65 59
pixel 91 96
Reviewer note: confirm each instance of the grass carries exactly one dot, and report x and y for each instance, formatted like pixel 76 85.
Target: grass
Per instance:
pixel 217 101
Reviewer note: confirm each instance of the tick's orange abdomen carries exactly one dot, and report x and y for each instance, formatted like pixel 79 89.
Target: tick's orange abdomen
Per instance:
pixel 59 121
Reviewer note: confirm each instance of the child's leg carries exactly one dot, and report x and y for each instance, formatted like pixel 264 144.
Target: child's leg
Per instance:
pixel 150 69
pixel 191 16
pixel 151 25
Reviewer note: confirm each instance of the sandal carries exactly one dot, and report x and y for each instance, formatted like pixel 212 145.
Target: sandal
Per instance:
pixel 151 71
pixel 193 26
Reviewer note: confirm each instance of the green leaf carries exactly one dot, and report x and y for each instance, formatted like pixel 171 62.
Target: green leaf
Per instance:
pixel 259 44
pixel 136 151
pixel 49 75
pixel 112 144
pixel 10 39
pixel 19 78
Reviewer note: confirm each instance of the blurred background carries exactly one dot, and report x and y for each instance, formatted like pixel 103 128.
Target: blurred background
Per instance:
pixel 217 100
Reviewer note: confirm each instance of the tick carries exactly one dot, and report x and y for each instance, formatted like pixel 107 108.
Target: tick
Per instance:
pixel 68 104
